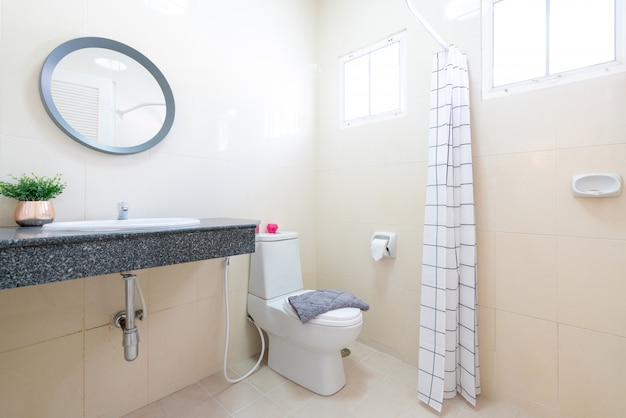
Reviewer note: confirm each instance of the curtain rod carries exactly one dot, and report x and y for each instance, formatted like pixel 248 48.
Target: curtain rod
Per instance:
pixel 431 31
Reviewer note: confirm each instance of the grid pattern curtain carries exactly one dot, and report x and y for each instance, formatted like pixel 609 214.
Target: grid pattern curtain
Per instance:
pixel 448 352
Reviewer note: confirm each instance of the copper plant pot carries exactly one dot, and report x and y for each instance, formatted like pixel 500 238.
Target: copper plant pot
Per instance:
pixel 34 213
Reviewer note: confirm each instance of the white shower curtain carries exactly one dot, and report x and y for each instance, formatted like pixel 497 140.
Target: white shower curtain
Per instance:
pixel 448 352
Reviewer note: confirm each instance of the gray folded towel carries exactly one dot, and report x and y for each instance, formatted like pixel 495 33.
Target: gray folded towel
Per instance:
pixel 309 305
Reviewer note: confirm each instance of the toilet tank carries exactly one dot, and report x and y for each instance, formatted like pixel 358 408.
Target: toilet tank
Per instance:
pixel 275 268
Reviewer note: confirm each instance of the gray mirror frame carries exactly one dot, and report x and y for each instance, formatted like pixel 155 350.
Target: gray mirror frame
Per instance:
pixel 70 46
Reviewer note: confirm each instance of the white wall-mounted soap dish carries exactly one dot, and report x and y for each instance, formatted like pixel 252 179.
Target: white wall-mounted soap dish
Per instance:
pixel 597 185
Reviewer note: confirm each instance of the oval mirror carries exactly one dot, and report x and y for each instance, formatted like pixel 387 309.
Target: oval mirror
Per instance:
pixel 106 95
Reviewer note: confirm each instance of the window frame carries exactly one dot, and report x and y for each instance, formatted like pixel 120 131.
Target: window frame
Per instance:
pixel 401 39
pixel 579 74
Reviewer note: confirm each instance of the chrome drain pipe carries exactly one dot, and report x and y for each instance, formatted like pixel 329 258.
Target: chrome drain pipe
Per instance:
pixel 126 320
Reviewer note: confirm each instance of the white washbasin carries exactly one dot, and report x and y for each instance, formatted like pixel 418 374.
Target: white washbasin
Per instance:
pixel 123 225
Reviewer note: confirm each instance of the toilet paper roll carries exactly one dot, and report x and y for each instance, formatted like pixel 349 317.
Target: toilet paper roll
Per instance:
pixel 378 248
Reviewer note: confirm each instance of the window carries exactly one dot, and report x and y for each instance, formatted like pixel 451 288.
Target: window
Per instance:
pixel 534 43
pixel 373 82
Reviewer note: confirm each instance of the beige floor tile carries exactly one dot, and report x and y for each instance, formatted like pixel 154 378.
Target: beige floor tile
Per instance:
pixel 237 396
pixel 382 362
pixel 215 383
pixel 406 374
pixel 153 410
pixel 451 409
pixel 377 386
pixel 265 379
pixel 184 399
pixel 364 376
pixel 323 407
pixel 207 408
pixel 262 407
pixel 359 352
pixel 290 396
pixel 389 398
pixel 488 408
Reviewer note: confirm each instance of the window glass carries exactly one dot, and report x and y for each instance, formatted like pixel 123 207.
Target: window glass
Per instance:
pixel 530 44
pixel 373 82
pixel 582 33
pixel 385 79
pixel 519 44
pixel 356 88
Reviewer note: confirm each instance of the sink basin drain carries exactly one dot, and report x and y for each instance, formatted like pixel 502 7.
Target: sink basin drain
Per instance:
pixel 345 352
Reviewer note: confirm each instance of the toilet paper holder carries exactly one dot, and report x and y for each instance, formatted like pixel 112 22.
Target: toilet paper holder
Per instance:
pixel 390 237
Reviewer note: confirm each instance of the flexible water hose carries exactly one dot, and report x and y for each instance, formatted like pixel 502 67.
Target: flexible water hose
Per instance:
pixel 144 311
pixel 226 263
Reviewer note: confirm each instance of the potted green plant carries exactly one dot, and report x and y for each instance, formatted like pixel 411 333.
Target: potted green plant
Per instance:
pixel 33 194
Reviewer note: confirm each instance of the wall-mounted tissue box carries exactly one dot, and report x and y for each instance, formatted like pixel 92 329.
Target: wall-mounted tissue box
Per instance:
pixel 383 244
pixel 597 185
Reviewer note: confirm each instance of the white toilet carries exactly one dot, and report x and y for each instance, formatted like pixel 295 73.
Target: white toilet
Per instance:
pixel 308 354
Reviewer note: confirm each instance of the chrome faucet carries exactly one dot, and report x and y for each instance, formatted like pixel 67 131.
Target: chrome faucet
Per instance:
pixel 122 211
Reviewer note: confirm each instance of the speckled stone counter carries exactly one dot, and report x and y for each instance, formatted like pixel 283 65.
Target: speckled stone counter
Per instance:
pixel 31 256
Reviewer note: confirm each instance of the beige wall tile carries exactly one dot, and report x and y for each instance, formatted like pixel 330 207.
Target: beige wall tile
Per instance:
pixel 239 271
pixel 244 338
pixel 345 252
pixel 598 105
pixel 17 119
pixel 114 386
pixel 483 130
pixel 525 122
pixel 411 319
pixel 526 269
pixel 385 317
pixel 592 367
pixel 526 359
pixel 485 196
pixel 320 181
pixel 128 175
pixel 211 277
pixel 525 190
pixel 487 350
pixel 33 314
pixel 173 285
pixel 592 285
pixel 70 205
pixel 105 296
pixel 211 333
pixel 486 268
pixel 219 159
pixel 173 347
pixel 593 218
pixel 44 379
pixel 409 259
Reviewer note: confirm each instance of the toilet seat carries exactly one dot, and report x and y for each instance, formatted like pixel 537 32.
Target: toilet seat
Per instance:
pixel 343 317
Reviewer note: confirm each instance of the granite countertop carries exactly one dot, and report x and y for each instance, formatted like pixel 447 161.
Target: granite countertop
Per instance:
pixel 31 256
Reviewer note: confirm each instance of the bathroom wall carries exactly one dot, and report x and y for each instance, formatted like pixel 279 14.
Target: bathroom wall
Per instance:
pixel 551 286
pixel 243 75
pixel 243 145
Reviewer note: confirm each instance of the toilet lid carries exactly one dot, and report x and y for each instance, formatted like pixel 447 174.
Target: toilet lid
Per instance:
pixel 342 317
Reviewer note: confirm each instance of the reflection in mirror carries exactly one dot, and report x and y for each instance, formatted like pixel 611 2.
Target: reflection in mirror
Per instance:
pixel 106 95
